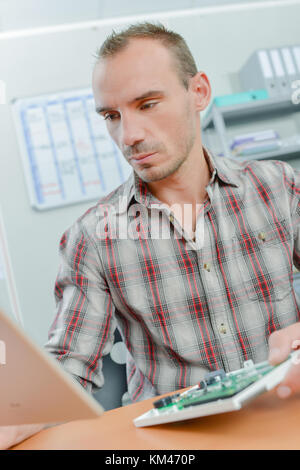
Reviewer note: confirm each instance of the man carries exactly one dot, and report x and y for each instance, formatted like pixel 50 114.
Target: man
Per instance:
pixel 218 289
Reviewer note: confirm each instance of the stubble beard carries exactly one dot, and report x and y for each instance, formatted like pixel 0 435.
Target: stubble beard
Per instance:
pixel 150 174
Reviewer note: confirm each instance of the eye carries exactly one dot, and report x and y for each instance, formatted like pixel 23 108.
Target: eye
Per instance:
pixel 148 105
pixel 110 116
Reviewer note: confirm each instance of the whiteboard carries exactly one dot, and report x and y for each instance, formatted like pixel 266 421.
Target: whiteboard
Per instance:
pixel 67 154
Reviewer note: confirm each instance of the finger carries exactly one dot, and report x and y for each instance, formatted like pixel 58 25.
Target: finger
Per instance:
pixel 8 436
pixel 291 382
pixel 11 435
pixel 281 343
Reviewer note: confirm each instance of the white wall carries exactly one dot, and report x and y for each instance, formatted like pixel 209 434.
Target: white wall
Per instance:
pixel 16 14
pixel 20 14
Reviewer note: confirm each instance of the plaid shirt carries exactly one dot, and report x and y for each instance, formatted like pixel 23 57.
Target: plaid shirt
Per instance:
pixel 183 307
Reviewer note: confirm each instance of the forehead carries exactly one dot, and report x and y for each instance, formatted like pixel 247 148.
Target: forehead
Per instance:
pixel 143 65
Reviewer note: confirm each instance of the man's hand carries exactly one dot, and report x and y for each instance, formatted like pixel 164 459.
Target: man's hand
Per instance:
pixel 281 343
pixel 12 435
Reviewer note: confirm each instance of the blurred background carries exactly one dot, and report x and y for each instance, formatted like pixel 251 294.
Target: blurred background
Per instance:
pixel 24 14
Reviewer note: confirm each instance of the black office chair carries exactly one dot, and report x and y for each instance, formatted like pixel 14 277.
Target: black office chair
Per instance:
pixel 114 392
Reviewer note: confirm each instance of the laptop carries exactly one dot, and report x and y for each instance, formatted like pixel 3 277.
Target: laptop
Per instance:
pixel 34 387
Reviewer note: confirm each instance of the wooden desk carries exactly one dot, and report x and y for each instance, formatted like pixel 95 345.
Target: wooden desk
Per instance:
pixel 266 423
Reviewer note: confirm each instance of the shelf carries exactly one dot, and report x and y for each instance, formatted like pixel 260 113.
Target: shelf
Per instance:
pixel 288 153
pixel 245 110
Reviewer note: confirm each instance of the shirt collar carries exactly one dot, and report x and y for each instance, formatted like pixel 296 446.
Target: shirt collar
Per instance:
pixel 222 168
pixel 135 189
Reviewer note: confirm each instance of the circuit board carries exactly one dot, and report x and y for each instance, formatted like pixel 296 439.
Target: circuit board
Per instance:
pixel 217 392
pixel 217 385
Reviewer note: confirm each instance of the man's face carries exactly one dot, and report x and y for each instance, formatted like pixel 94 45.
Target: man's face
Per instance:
pixel 149 113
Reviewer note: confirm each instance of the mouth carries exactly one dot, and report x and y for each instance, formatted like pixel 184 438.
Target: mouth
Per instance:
pixel 143 157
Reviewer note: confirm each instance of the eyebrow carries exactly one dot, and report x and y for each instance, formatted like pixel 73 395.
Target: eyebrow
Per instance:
pixel 148 94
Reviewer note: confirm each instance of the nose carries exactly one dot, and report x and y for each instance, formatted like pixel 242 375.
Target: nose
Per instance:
pixel 131 130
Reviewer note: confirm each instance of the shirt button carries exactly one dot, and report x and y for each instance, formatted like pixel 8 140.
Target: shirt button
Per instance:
pixel 207 266
pixel 222 329
pixel 171 218
pixel 262 236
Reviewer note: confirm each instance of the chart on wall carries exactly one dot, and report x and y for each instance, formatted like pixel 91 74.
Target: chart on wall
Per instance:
pixel 67 153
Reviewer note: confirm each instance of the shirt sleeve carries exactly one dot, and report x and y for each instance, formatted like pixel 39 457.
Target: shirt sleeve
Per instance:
pixel 83 329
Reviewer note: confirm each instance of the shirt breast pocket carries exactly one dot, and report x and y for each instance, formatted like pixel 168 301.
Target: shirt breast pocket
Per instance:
pixel 264 261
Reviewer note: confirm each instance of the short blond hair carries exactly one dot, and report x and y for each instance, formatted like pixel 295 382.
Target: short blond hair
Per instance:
pixel 184 61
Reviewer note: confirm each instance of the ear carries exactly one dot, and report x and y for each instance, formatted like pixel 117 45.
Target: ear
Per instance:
pixel 201 89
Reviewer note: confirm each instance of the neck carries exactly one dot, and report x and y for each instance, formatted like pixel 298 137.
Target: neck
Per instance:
pixel 187 185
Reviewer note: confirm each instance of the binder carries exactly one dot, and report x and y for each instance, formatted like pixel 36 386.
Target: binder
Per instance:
pixel 279 72
pixel 254 137
pixel 239 98
pixel 290 66
pixel 275 69
pixel 296 56
pixel 258 73
pixel 296 84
